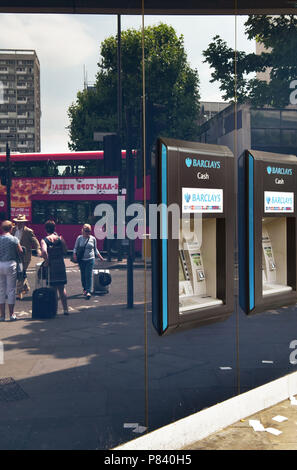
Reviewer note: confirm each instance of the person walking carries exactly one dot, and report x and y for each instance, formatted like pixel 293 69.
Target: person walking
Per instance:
pixel 10 251
pixel 28 240
pixel 53 250
pixel 84 253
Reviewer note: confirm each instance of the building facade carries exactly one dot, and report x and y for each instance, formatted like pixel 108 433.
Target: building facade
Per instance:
pixel 19 100
pixel 208 109
pixel 266 129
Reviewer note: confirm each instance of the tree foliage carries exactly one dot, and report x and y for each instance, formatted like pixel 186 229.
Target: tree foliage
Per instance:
pixel 279 36
pixel 172 94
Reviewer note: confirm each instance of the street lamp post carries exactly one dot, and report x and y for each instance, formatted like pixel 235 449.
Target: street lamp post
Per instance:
pixel 8 181
pixel 130 200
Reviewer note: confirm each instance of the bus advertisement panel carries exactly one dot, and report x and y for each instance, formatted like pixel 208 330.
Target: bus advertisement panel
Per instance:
pixel 23 189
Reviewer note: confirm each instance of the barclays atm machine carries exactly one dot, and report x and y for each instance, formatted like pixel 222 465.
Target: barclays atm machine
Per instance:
pixel 192 258
pixel 267 230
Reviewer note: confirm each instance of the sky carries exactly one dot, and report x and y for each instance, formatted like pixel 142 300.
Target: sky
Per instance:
pixel 68 47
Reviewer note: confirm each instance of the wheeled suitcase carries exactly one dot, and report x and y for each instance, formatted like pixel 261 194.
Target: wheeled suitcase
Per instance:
pixel 40 275
pixel 44 299
pixel 44 303
pixel 101 281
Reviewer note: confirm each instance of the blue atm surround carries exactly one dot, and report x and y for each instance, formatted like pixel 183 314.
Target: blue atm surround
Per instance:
pixel 261 173
pixel 170 174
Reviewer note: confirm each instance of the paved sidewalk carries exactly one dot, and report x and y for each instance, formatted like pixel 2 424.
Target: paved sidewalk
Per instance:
pixel 114 264
pixel 241 436
pixel 62 381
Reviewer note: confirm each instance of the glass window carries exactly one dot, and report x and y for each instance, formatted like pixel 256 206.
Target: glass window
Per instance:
pixel 272 136
pixel 66 212
pixel 76 168
pixel 289 138
pixel 258 137
pixel 289 119
pixel 265 137
pixel 265 118
pixel 32 169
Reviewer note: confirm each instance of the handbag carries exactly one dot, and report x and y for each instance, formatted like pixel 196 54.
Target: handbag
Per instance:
pixel 81 251
pixel 21 274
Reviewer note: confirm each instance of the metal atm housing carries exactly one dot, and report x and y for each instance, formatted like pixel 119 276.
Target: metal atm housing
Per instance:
pixel 267 230
pixel 193 273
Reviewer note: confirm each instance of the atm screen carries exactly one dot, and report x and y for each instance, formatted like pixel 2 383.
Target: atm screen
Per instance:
pixel 196 257
pixel 268 251
pixel 181 273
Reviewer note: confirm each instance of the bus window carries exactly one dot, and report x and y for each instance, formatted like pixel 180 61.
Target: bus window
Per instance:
pixel 31 169
pixel 41 212
pixel 60 168
pixel 65 213
pixel 38 171
pixel 67 171
pixel 83 213
pixel 19 170
pixel 85 168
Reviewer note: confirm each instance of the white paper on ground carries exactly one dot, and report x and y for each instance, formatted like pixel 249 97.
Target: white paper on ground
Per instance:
pixel 256 425
pixel 267 362
pixel 139 429
pixel 279 418
pixel 276 432
pixel 293 400
pixel 226 368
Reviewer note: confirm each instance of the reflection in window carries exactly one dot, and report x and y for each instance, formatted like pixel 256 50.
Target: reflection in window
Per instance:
pixel 258 137
pixel 289 138
pixel 66 212
pixel 265 137
pixel 289 119
pixel 265 118
pixel 41 169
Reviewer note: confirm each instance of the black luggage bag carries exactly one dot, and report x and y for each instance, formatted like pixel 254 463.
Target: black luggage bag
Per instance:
pixel 44 303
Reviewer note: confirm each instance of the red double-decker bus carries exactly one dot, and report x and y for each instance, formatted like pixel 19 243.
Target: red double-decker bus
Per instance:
pixel 65 187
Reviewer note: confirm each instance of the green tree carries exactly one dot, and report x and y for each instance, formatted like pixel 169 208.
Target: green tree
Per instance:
pixel 279 36
pixel 171 89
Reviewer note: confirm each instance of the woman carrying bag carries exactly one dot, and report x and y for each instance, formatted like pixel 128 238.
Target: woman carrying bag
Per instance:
pixel 53 249
pixel 84 253
pixel 10 252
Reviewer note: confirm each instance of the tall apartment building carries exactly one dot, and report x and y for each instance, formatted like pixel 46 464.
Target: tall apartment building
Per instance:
pixel 19 100
pixel 264 76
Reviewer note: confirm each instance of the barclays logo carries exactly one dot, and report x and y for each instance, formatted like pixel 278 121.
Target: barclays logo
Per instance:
pixel 279 171
pixel 268 199
pixel 202 163
pixel 187 197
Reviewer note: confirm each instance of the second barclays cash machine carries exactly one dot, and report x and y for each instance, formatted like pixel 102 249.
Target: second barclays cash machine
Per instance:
pixel 267 230
pixel 193 256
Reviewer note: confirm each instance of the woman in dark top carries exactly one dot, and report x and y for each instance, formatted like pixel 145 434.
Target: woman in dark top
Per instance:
pixel 53 249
